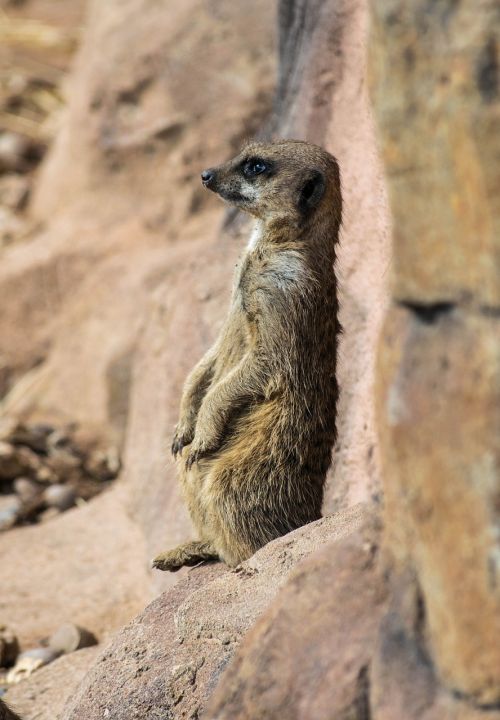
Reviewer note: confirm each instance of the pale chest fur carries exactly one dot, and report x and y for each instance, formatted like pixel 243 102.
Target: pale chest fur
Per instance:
pixel 255 236
pixel 268 271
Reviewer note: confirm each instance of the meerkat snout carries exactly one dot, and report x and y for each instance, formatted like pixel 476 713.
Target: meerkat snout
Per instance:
pixel 207 176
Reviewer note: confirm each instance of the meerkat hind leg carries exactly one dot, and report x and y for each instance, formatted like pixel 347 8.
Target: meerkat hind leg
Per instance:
pixel 189 554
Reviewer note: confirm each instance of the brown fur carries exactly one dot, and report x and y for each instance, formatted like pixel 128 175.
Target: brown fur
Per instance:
pixel 257 417
pixel 6 713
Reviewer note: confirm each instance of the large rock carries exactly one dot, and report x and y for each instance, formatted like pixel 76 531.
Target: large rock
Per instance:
pixel 322 96
pixel 436 90
pixel 167 662
pixel 309 655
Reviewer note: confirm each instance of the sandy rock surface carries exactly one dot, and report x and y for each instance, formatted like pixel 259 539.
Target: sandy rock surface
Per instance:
pixel 166 663
pixel 87 566
pixel 308 655
pixel 439 409
pixel 44 694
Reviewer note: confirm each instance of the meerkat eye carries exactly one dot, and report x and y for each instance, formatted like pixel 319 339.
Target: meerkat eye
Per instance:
pixel 253 167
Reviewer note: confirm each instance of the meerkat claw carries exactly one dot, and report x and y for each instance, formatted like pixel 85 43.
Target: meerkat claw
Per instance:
pixel 176 447
pixel 192 459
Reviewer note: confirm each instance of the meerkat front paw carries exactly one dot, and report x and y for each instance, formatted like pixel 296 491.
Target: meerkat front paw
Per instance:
pixel 198 450
pixel 189 554
pixel 182 437
pixel 168 561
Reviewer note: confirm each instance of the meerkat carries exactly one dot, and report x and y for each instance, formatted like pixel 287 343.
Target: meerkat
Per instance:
pixel 257 418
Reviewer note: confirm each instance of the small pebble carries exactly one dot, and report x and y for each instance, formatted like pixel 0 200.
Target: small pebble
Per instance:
pixel 13 150
pixel 34 436
pixel 63 462
pixel 57 439
pixel 59 496
pixel 10 465
pixel 26 489
pixel 9 647
pixel 46 475
pixel 9 517
pixel 28 662
pixel 70 637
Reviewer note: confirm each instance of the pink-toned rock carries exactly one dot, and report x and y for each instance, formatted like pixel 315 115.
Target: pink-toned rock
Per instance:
pixel 322 96
pixel 436 91
pixel 309 654
pixel 87 566
pixel 437 99
pixel 45 693
pixel 167 662
pixel 70 637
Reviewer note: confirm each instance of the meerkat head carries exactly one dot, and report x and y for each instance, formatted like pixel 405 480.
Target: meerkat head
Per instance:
pixel 287 178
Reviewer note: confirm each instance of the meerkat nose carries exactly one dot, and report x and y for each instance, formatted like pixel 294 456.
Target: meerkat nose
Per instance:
pixel 207 176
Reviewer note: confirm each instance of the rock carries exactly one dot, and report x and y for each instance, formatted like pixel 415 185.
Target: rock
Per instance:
pixel 13 151
pixel 8 518
pixel 436 94
pixel 6 713
pixel 10 463
pixel 34 436
pixel 26 489
pixel 57 439
pixel 88 567
pixel 9 647
pixel 437 113
pixel 17 461
pixel 309 654
pixel 10 509
pixel 69 638
pixel 44 694
pixel 28 662
pixel 45 475
pixel 63 462
pixel 166 663
pixel 14 192
pixel 59 496
pixel 103 465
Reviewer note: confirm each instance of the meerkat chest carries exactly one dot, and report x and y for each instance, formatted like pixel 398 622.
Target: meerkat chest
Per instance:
pixel 255 237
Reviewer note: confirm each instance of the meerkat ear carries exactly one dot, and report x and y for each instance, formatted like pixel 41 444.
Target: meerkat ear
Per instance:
pixel 311 191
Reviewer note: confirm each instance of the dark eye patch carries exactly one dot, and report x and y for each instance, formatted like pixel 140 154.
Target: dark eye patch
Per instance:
pixel 254 166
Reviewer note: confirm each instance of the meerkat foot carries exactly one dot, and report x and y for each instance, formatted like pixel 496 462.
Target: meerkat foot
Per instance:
pixel 189 554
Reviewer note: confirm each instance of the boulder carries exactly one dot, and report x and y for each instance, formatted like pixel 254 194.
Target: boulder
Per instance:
pixel 309 655
pixel 436 97
pixel 166 663
pixel 44 694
